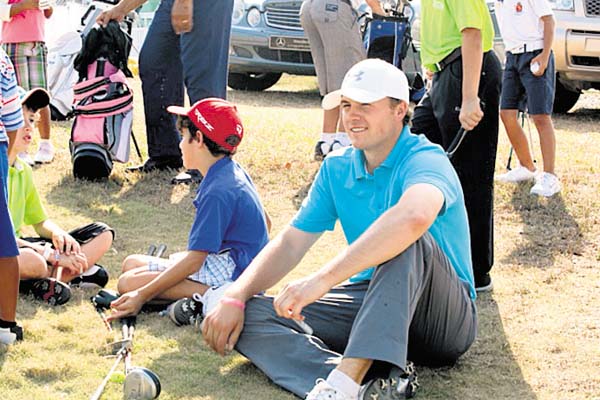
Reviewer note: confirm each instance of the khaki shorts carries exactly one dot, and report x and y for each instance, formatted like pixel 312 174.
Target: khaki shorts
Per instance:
pixel 335 40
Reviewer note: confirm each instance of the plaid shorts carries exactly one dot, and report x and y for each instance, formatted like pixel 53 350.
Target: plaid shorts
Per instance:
pixel 215 272
pixel 30 61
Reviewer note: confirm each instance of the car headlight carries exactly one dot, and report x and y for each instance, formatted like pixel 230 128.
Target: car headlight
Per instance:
pixel 238 12
pixel 253 17
pixel 563 5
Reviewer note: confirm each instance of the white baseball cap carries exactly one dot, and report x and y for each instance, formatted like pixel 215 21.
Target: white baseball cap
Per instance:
pixel 369 81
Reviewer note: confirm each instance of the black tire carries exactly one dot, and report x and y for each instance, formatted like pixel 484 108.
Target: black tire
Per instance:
pixel 252 82
pixel 564 99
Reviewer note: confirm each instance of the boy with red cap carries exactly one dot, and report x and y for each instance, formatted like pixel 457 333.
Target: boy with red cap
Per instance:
pixel 229 229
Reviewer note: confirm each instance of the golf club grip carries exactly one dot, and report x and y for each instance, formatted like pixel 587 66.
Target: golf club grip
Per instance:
pixel 160 250
pixel 151 250
pixel 98 393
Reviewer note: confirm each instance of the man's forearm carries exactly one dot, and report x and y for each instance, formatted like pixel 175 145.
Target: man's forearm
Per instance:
pixel 472 59
pixel 274 262
pixel 126 6
pixel 549 25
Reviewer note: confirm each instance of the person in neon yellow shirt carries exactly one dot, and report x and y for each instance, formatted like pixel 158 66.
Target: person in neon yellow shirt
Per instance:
pixel 76 252
pixel 456 42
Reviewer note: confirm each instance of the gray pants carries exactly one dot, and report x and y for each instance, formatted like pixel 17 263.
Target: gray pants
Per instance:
pixel 414 307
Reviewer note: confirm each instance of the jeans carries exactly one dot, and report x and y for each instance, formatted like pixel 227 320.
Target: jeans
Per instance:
pixel 197 59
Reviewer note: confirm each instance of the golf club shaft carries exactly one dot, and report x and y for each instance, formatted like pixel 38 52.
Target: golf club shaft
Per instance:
pixel 98 393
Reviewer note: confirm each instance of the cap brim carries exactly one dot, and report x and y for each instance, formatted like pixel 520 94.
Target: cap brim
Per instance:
pixel 36 98
pixel 333 99
pixel 178 110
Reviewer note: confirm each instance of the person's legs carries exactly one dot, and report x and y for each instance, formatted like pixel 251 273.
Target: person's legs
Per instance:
pixel 288 356
pixel 38 79
pixel 9 264
pixel 475 160
pixel 134 261
pixel 32 265
pixel 161 74
pixel 545 128
pixel 517 138
pixel 205 50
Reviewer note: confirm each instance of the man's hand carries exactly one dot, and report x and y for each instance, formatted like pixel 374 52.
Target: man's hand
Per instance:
pixel 114 13
pixel 128 304
pixel 65 243
pixel 182 14
pixel 222 327
pixel 470 114
pixel 298 294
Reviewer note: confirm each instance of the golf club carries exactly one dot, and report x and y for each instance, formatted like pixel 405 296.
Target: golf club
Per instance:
pixel 140 383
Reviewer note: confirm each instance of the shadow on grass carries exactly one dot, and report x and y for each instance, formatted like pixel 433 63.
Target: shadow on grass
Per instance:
pixel 488 370
pixel 548 229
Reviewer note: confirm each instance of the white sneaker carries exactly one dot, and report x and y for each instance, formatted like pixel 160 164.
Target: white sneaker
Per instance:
pixel 45 153
pixel 25 157
pixel 11 335
pixel 518 174
pixel 324 391
pixel 546 184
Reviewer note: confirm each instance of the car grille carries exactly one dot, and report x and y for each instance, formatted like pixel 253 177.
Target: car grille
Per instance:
pixel 300 57
pixel 284 15
pixel 592 7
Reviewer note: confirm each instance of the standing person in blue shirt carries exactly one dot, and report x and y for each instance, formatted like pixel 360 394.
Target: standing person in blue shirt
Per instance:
pixel 230 227
pixel 187 45
pixel 527 28
pixel 11 119
pixel 411 293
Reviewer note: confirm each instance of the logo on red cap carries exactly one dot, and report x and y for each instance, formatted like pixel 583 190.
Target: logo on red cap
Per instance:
pixel 200 119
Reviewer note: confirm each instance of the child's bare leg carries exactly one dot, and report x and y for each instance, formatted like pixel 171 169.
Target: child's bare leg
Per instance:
pixel 93 250
pixel 136 278
pixel 545 128
pixel 135 261
pixel 9 276
pixel 32 265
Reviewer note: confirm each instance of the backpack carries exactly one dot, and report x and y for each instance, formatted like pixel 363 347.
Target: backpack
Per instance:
pixel 103 119
pixel 103 108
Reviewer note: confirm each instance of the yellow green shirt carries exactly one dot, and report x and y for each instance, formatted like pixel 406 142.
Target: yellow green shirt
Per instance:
pixel 442 22
pixel 23 199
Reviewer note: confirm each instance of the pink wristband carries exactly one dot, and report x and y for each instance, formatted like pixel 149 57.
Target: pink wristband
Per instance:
pixel 233 302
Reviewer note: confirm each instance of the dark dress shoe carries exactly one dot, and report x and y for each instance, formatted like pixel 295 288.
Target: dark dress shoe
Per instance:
pixel 158 164
pixel 187 177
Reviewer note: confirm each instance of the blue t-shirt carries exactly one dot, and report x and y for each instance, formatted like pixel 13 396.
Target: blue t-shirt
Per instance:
pixel 344 190
pixel 229 215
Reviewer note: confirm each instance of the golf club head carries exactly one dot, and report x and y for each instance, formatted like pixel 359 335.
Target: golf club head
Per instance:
pixel 103 299
pixel 141 384
pixel 114 348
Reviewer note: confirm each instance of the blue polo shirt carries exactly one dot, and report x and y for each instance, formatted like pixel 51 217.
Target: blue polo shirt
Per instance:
pixel 229 215
pixel 344 190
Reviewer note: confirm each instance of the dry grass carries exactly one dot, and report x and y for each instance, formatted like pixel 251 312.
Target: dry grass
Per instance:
pixel 539 330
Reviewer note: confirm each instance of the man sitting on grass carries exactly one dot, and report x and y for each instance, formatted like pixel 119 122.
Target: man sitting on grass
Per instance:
pixel 411 291
pixel 41 258
pixel 229 229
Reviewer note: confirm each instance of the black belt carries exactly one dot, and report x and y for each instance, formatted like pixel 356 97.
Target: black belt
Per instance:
pixel 449 59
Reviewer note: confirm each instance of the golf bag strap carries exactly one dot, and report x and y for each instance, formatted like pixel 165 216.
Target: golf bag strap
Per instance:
pixel 90 87
pixel 106 108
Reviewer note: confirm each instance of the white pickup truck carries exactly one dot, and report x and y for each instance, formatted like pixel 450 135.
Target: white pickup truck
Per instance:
pixel 576 50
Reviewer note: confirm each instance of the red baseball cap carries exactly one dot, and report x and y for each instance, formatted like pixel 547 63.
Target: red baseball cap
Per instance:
pixel 216 118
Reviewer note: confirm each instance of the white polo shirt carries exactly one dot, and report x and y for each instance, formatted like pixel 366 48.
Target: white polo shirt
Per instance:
pixel 521 25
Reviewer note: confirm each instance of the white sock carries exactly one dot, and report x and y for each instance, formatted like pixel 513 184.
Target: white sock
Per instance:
pixel 344 383
pixel 343 138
